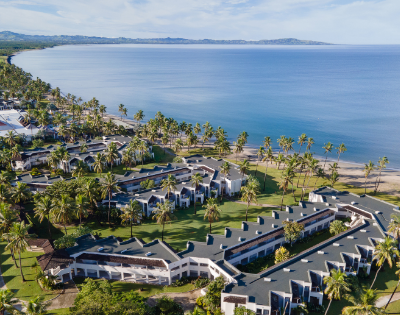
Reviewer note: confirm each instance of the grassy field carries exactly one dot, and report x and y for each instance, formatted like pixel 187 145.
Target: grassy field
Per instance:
pixel 394 308
pixel 60 311
pixel 147 289
pixel 3 59
pixel 12 277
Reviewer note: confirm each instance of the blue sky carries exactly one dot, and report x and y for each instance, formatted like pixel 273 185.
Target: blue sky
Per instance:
pixel 335 21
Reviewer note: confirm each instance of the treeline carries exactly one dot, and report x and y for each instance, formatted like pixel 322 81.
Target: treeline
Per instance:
pixel 8 48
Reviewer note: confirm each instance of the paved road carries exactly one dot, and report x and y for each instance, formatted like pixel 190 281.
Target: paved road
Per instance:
pixel 381 302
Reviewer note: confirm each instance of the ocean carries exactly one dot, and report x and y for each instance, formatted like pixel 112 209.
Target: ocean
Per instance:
pixel 337 93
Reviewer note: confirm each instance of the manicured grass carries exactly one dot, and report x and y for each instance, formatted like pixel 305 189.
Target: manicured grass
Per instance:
pixel 205 151
pixel 12 277
pixel 147 289
pixel 394 308
pixel 60 311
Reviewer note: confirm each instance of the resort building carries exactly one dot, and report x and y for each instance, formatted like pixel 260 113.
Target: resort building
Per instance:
pixel 283 285
pixel 12 120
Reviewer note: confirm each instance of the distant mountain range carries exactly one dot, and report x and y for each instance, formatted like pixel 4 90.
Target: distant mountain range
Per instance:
pixel 79 39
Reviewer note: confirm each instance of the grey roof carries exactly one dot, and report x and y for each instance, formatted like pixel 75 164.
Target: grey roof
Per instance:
pixel 134 247
pixel 39 179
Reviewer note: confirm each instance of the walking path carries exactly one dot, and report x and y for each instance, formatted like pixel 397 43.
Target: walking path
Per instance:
pixel 382 301
pixel 67 298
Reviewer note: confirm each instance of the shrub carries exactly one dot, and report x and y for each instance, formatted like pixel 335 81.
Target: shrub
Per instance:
pixel 201 282
pixel 37 143
pixel 69 240
pixel 35 171
pixel 166 305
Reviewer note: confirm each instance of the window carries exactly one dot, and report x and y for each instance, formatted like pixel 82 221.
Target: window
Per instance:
pixel 176 268
pixel 259 311
pixel 253 257
pixel 203 265
pixel 184 265
pixel 204 274
pixel 194 263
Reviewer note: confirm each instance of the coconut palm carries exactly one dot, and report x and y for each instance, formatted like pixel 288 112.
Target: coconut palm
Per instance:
pixel 82 204
pixel 341 149
pixel 163 214
pixel 64 211
pixel 212 212
pixel 368 168
pixel 281 254
pixel 165 140
pixel 280 159
pixel 385 251
pixel 99 161
pixel 43 208
pixel 337 227
pixel 91 190
pixel 328 149
pixel 7 218
pixel 281 143
pixel 364 303
pixel 267 142
pixel 131 212
pixel 139 116
pixel 10 138
pixel 4 193
pixel 7 301
pixel 336 286
pixel 244 167
pixel 191 140
pixel 196 180
pixel 81 168
pixel 36 306
pixel 17 237
pixel 394 226
pixel 178 145
pixel 302 140
pixel 268 157
pixel 260 155
pixel 286 179
pixel 142 147
pixel 238 148
pixel 334 178
pixel 169 184
pixel 319 174
pixel 398 282
pixel 310 142
pixel 21 193
pixel 249 193
pixel 109 185
pixel 84 148
pixel 225 169
pixel 53 160
pixel 381 165
pixel 111 154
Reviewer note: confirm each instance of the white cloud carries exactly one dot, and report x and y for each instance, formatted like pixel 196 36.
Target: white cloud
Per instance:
pixel 338 21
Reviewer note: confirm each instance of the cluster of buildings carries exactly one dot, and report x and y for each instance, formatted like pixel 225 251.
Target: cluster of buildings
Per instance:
pixel 13 120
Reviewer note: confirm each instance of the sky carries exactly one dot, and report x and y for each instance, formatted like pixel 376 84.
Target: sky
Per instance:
pixel 333 21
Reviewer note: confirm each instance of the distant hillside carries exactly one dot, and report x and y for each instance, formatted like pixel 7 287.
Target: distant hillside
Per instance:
pixel 79 39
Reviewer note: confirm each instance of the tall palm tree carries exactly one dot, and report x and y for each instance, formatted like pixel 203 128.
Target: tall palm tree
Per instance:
pixel 336 286
pixel 169 184
pixel 18 236
pixel 4 193
pixel 178 145
pixel 385 251
pixel 196 180
pixel 286 179
pixel 269 156
pixel 249 192
pixel 381 165
pixel 7 301
pixel 244 167
pixel 43 208
pixel 364 303
pixel 225 169
pixel 398 282
pixel 99 161
pixel 36 306
pixel 64 211
pixel 328 149
pixel 111 154
pixel 21 193
pixel 368 168
pixel 131 212
pixel 320 174
pixel 142 147
pixel 109 185
pixel 213 212
pixel 82 204
pixel 341 149
pixel 260 155
pixel 280 159
pixel 238 147
pixel 81 168
pixel 163 214
pixel 302 140
pixel 310 142
pixel 7 218
pixel 53 160
pixel 10 138
pixel 139 116
pixel 91 190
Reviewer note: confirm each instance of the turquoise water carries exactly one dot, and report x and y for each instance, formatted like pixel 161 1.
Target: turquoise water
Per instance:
pixel 340 94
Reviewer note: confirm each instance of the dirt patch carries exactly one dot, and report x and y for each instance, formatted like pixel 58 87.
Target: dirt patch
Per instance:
pixel 186 299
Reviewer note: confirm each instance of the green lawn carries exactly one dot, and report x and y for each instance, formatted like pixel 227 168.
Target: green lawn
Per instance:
pixel 60 311
pixel 12 277
pixel 3 59
pixel 394 308
pixel 147 289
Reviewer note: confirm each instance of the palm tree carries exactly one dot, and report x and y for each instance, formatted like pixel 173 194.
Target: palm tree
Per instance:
pixel 84 148
pixel 196 180
pixel 381 165
pixel 280 159
pixel 302 140
pixel 385 251
pixel 142 147
pixel 310 142
pixel 244 167
pixel 260 155
pixel 268 157
pixel 91 191
pixel 334 178
pixel 21 193
pixel 169 184
pixel 281 254
pixel 364 303
pixel 337 227
pixel 225 168
pixel 163 214
pixel 328 149
pixel 43 208
pixel 286 179
pixel 249 193
pixel 213 212
pixel 18 236
pixel 7 301
pixel 64 211
pixel 36 306
pixel 98 163
pixel 81 207
pixel 7 218
pixel 139 116
pixel 131 212
pixel 109 185
pixel 4 193
pixel 81 168
pixel 320 174
pixel 10 138
pixel 336 286
pixel 178 145
pixel 111 154
pixel 398 282
pixel 121 108
pixel 53 160
pixel 368 168
pixel 342 148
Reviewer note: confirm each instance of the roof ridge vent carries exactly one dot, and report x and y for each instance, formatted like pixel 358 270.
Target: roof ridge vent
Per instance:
pixel 336 244
pixel 123 251
pixel 267 279
pixel 286 269
pixel 353 203
pixel 351 237
pixel 305 260
pixel 100 249
pixel 315 209
pixel 321 252
pixel 149 254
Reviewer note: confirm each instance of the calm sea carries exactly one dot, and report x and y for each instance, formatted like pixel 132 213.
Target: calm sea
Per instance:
pixel 347 94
